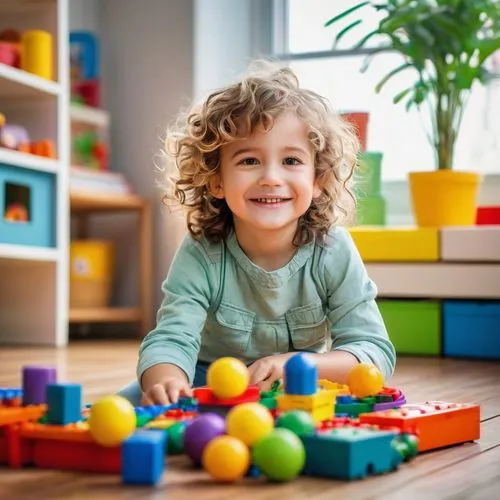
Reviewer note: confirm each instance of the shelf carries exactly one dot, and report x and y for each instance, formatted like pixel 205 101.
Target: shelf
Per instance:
pixel 105 315
pixel 18 83
pixel 90 116
pixel 88 202
pixel 21 252
pixel 26 160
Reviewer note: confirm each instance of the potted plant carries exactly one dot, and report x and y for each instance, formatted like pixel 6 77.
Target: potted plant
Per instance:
pixel 447 44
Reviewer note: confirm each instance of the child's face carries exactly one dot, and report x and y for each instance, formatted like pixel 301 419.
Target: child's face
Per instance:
pixel 268 180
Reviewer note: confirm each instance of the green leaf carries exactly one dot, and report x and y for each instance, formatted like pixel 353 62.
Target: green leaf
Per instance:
pixel 346 13
pixel 345 30
pixel 361 43
pixel 389 75
pixel 401 95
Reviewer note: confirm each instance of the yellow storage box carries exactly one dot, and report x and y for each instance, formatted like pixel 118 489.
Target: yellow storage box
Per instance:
pixel 91 273
pixel 383 244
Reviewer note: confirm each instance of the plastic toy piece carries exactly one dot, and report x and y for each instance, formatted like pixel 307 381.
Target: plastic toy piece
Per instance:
pixel 35 381
pixel 226 459
pixel 365 380
pixel 112 420
pixel 228 377
pixel 76 432
pixel 20 414
pixel 77 456
pixel 350 453
pixel 11 397
pixel 352 407
pixel 64 402
pixel 321 405
pixel 437 424
pixel 340 389
pixel 301 375
pixel 143 457
pixel 209 403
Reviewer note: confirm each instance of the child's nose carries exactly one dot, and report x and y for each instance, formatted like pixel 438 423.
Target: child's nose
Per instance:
pixel 271 175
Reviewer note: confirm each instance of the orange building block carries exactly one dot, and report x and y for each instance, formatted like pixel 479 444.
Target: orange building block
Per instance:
pixel 16 414
pixel 437 424
pixel 78 432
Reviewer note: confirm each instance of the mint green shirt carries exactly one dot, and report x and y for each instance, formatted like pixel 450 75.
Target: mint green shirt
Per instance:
pixel 217 302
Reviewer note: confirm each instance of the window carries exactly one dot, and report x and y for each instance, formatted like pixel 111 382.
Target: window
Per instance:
pixel 401 136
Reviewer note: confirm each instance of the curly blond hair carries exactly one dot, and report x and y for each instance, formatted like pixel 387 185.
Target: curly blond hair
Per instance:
pixel 267 90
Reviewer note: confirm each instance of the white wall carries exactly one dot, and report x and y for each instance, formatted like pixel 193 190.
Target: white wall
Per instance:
pixel 147 74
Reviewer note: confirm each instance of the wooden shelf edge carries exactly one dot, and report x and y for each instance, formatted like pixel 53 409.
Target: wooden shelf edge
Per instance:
pixel 85 201
pixel 105 315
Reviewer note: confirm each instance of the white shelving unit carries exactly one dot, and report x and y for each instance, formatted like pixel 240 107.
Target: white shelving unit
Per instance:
pixel 34 280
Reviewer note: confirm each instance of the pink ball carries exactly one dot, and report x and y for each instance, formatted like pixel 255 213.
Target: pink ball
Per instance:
pixel 200 431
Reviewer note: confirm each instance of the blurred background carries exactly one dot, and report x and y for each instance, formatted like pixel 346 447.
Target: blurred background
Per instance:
pixel 87 89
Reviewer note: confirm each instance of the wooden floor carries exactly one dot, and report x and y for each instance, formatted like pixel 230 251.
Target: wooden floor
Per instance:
pixel 464 472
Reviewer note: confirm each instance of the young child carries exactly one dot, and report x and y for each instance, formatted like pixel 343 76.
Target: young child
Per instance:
pixel 263 167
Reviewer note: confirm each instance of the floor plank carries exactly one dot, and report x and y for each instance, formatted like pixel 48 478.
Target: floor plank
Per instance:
pixel 467 471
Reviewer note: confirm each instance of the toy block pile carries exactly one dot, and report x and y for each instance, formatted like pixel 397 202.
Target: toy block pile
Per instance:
pixel 230 428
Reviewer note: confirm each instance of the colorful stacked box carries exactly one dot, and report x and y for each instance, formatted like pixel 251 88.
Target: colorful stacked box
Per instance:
pixel 439 289
pixel 371 206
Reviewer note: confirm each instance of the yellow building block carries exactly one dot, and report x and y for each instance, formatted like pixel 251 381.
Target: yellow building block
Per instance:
pixel 321 405
pixel 340 389
pixel 384 244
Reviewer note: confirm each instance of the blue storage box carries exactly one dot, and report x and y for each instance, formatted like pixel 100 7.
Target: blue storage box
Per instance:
pixel 27 204
pixel 471 329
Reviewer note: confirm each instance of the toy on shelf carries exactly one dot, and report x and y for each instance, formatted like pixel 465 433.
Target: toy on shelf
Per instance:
pixel 44 425
pixel 84 67
pixel 31 51
pixel 16 137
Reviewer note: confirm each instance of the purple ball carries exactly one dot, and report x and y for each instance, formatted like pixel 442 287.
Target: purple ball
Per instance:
pixel 200 431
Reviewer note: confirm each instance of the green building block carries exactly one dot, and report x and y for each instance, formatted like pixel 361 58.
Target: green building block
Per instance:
pixel 414 326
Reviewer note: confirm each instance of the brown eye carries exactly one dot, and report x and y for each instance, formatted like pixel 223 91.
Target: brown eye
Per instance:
pixel 292 161
pixel 248 161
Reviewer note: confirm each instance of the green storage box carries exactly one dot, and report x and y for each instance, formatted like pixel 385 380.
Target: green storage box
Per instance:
pixel 371 211
pixel 414 326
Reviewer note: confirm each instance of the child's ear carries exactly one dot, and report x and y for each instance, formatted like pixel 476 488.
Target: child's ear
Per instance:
pixel 316 190
pixel 215 188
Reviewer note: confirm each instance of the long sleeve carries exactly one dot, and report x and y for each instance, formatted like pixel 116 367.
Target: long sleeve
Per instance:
pixel 187 293
pixel 356 323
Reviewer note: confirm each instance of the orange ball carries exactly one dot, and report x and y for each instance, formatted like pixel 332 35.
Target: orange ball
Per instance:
pixel 365 380
pixel 226 458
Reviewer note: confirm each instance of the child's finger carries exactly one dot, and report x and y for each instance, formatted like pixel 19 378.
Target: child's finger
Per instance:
pixel 145 400
pixel 266 384
pixel 259 373
pixel 158 395
pixel 173 394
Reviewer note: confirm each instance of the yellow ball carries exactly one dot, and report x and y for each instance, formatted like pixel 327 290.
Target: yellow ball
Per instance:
pixel 365 380
pixel 249 422
pixel 226 458
pixel 111 420
pixel 228 377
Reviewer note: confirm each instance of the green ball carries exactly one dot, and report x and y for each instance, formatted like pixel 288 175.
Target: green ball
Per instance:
pixel 298 421
pixel 280 455
pixel 175 434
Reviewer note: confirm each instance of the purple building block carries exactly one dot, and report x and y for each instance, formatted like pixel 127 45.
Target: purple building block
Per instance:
pixel 35 381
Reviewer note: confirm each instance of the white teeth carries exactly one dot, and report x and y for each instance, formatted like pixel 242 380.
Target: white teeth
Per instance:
pixel 270 200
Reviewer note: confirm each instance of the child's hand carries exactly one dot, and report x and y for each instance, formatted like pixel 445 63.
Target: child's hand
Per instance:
pixel 266 371
pixel 166 392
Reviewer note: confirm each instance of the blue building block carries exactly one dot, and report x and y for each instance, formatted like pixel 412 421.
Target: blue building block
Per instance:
pixel 471 329
pixel 64 403
pixel 143 457
pixel 301 375
pixel 350 453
